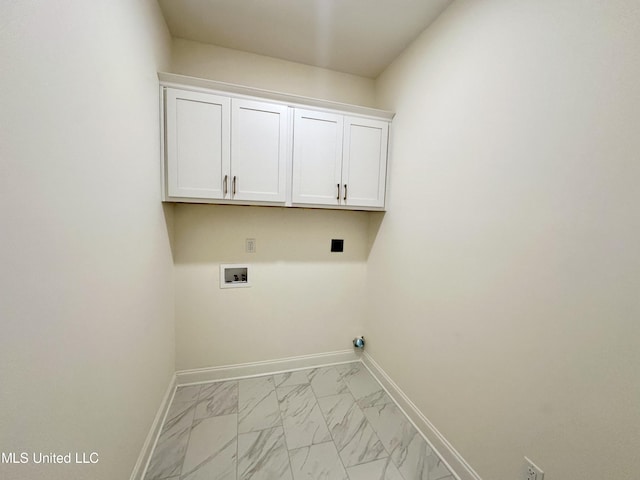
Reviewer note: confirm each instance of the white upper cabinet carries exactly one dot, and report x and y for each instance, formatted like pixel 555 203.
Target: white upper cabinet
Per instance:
pixel 364 162
pixel 317 157
pixel 258 151
pixel 197 144
pixel 229 144
pixel 227 149
pixel 339 160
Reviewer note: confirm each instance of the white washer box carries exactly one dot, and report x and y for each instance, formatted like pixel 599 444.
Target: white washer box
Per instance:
pixel 234 275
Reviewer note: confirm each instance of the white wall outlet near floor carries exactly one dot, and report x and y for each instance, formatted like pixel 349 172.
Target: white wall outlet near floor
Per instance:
pixel 251 245
pixel 532 471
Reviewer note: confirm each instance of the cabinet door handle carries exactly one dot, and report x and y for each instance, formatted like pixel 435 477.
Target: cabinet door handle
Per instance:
pixel 345 192
pixel 224 188
pixel 234 185
pixel 338 197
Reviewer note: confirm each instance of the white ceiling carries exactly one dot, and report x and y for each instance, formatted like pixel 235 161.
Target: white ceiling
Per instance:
pixel 361 37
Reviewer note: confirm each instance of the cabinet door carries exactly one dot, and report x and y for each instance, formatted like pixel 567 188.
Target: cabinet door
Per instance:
pixel 317 157
pixel 258 151
pixel 364 162
pixel 197 136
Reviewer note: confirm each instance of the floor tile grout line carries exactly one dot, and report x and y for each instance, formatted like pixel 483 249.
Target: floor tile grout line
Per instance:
pixel 257 430
pixel 157 439
pixel 371 425
pixel 388 454
pixel 237 430
pixel 332 441
pixel 415 426
pixel 189 436
pixel 161 431
pixel 284 436
pixel 367 423
pixel 362 410
pixel 261 399
pixel 281 425
pixel 351 391
pixel 329 430
pixel 194 405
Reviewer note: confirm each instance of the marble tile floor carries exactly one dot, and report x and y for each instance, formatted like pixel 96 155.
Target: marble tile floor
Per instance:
pixel 327 423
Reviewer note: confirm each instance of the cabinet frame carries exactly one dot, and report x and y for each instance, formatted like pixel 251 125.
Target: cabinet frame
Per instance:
pixel 354 196
pixel 288 102
pixel 367 190
pixel 174 188
pixel 330 190
pixel 238 191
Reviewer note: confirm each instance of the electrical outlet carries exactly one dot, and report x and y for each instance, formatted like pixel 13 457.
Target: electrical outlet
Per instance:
pixel 251 245
pixel 337 245
pixel 532 471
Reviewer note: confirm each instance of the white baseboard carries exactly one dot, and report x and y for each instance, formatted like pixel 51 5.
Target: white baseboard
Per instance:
pixel 229 372
pixel 458 465
pixel 140 467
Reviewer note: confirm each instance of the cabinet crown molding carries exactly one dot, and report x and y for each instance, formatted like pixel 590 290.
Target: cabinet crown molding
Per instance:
pixel 201 84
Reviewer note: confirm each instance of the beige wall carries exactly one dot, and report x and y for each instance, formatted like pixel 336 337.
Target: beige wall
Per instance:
pixel 305 300
pixel 503 292
pixel 233 66
pixel 86 290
